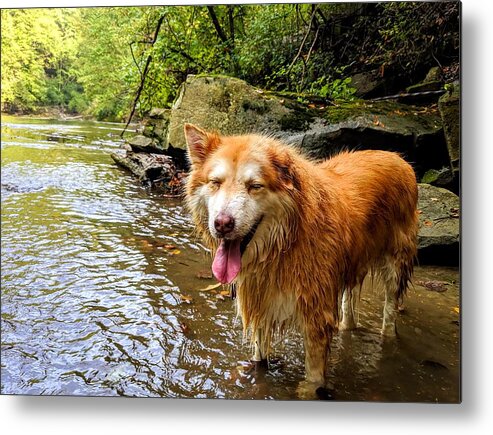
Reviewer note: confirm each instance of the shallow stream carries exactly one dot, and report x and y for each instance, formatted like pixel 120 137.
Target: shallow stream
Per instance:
pixel 104 292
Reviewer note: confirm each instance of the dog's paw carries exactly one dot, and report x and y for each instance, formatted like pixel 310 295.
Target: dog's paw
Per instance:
pixel 309 390
pixel 389 330
pixel 347 326
pixel 263 364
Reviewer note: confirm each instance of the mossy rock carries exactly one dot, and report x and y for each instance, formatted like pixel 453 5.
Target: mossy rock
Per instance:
pixel 434 75
pixel 449 106
pixel 232 106
pixel 319 128
pixel 383 115
pixel 438 177
pixel 435 85
pixel 415 132
pixel 439 225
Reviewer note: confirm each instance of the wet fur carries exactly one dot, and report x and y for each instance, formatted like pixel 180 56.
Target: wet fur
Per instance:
pixel 329 225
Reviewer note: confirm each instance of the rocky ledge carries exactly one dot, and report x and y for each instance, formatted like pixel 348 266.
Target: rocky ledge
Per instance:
pixel 427 136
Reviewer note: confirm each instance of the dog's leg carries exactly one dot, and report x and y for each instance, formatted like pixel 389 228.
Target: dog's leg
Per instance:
pixel 348 307
pixel 316 349
pixel 261 348
pixel 391 304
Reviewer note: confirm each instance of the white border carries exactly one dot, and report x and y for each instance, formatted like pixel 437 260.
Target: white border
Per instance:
pixel 54 415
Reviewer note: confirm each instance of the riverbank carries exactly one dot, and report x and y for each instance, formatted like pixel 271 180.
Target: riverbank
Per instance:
pixel 49 113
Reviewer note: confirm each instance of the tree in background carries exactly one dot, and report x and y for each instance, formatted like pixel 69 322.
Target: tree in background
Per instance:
pixel 39 47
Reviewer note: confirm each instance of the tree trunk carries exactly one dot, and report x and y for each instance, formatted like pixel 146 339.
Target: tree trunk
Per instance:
pixel 219 30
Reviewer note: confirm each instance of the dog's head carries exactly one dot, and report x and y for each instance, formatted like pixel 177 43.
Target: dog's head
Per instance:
pixel 237 185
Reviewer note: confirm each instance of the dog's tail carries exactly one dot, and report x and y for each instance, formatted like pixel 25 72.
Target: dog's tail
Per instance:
pixel 404 276
pixel 405 266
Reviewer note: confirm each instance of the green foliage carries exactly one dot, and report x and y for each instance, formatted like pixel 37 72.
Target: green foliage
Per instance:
pixel 93 60
pixel 410 36
pixel 38 49
pixel 337 89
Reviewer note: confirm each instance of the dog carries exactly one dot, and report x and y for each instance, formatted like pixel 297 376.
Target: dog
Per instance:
pixel 298 237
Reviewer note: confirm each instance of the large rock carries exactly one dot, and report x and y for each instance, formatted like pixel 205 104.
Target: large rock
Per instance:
pixel 144 144
pixel 432 82
pixel 156 125
pixel 231 106
pixel 438 238
pixel 367 84
pixel 449 106
pixel 410 130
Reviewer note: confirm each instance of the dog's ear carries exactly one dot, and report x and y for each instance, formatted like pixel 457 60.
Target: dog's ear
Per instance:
pixel 286 172
pixel 200 143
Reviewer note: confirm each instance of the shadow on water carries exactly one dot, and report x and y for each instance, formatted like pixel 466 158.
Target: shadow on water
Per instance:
pixel 106 292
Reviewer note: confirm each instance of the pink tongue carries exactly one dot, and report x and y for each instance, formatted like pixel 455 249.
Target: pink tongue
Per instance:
pixel 227 262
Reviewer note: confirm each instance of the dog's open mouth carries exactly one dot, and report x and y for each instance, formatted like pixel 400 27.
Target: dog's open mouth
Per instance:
pixel 227 261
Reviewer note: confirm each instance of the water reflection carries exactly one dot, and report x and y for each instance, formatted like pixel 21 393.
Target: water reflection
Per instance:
pixel 101 293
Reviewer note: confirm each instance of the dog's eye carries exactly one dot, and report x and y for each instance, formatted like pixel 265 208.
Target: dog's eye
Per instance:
pixel 256 186
pixel 215 182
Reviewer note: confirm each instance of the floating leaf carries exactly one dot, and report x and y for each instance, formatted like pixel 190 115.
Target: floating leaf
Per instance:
pixel 175 252
pixel 204 274
pixel 428 223
pixel 456 309
pixel 184 328
pixel 225 293
pixel 437 286
pixel 185 298
pixel 146 246
pixel 210 287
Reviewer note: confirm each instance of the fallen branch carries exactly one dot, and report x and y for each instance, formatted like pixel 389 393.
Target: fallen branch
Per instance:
pixel 413 94
pixel 147 167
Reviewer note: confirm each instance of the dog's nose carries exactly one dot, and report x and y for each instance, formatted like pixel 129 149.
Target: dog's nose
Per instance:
pixel 224 223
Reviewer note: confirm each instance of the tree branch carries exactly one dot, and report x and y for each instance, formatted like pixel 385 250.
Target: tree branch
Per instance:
pixel 186 56
pixel 301 47
pixel 143 75
pixel 231 24
pixel 220 32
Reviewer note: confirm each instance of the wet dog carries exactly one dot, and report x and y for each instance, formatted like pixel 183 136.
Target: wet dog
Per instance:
pixel 297 237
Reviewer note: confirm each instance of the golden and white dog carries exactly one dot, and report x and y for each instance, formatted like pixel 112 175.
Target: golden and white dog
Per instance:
pixel 297 236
